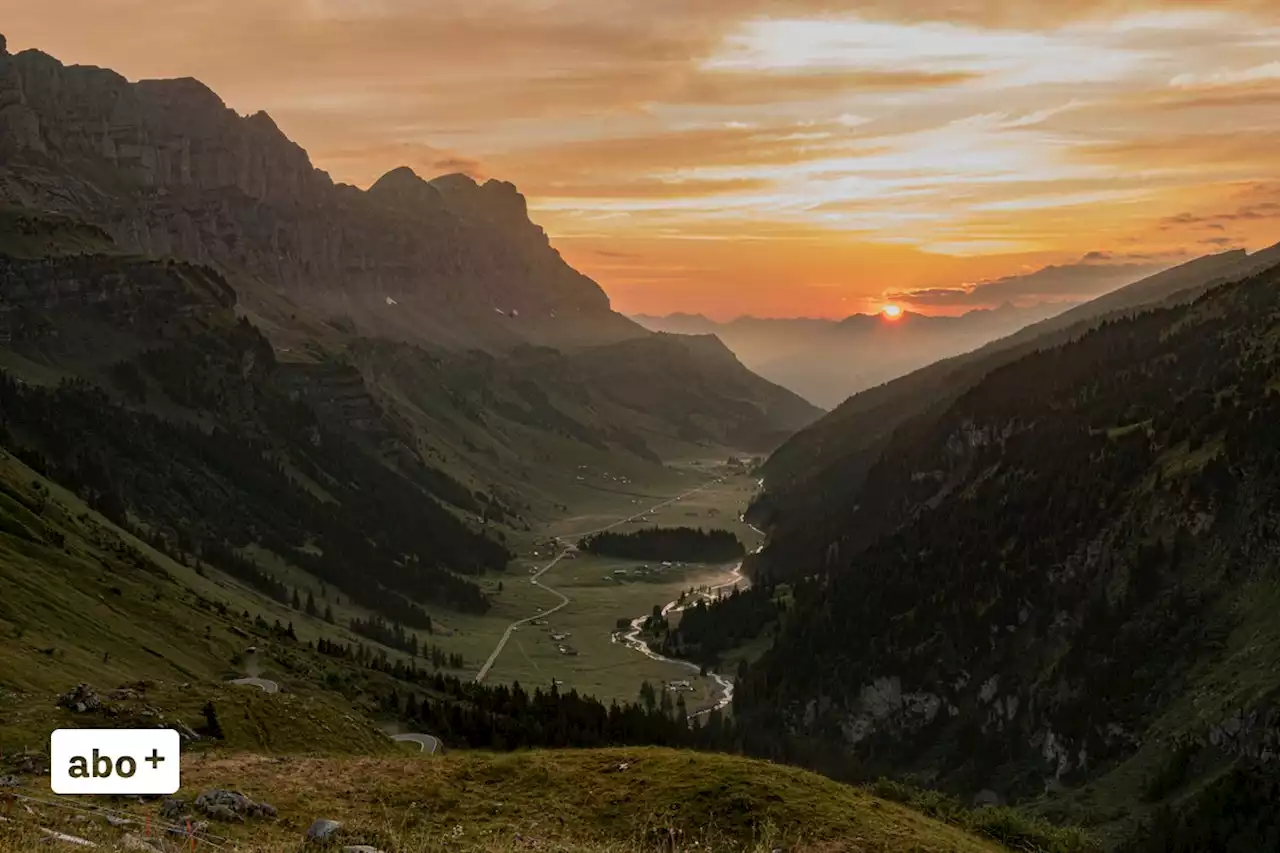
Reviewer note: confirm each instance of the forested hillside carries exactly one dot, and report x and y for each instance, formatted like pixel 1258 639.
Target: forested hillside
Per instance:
pixel 236 462
pixel 1064 579
pixel 823 467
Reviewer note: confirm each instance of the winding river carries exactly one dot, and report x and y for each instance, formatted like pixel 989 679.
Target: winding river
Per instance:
pixel 632 637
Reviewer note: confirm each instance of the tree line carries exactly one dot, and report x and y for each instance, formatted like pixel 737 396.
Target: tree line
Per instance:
pixel 671 544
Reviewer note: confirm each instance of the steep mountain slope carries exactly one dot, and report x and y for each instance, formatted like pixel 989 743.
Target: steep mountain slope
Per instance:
pixel 825 361
pixel 167 169
pixel 1064 578
pixel 170 411
pixel 717 398
pixel 446 266
pixel 820 470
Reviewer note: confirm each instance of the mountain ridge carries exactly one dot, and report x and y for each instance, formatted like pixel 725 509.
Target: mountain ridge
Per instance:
pixel 827 360
pixel 167 169
pixel 831 455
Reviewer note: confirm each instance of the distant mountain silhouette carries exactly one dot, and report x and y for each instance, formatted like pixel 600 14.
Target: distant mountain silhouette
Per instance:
pixel 825 361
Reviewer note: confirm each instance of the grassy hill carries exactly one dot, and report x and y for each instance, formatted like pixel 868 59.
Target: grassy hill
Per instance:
pixel 572 800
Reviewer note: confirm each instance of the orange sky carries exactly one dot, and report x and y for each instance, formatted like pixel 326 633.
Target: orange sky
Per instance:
pixel 772 157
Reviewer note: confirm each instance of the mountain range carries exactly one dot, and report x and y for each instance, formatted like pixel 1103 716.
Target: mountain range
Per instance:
pixel 227 354
pixel 377 298
pixel 827 361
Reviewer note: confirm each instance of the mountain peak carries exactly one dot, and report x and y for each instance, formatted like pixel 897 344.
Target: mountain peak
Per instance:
pixel 401 179
pixel 264 120
pixel 185 93
pixel 404 186
pixel 493 200
pixel 455 182
pixel 234 191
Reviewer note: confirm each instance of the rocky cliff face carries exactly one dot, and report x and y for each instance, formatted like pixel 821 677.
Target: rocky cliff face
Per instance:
pixel 168 169
pixel 50 304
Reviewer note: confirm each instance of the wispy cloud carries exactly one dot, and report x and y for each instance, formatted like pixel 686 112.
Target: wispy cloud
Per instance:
pixel 916 143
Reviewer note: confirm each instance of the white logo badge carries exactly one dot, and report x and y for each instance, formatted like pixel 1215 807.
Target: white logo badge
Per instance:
pixel 114 761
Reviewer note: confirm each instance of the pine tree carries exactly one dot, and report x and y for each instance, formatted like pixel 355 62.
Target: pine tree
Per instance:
pixel 295 602
pixel 328 613
pixel 212 727
pixel 311 604
pixel 648 696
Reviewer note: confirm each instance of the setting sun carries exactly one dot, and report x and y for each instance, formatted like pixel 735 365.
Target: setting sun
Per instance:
pixel 892 312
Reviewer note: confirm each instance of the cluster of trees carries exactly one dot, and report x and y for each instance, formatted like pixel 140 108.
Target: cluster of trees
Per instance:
pixel 684 544
pixel 501 717
pixel 311 609
pixel 707 630
pixel 378 660
pixel 390 634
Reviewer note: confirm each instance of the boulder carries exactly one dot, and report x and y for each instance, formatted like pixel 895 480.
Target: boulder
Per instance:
pixel 197 826
pixel 172 808
pixel 322 829
pixel 80 699
pixel 136 843
pixel 231 806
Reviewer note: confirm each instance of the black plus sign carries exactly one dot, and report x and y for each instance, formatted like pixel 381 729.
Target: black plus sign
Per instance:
pixel 155 758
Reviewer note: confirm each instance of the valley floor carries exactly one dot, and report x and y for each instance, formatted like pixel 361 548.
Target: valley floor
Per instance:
pixel 601 591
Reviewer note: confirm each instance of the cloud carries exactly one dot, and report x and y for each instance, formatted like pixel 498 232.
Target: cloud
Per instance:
pixel 1270 72
pixel 466 165
pixel 1260 211
pixel 952 135
pixel 1093 275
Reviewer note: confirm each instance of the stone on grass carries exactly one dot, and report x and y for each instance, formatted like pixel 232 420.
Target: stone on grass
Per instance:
pixel 322 829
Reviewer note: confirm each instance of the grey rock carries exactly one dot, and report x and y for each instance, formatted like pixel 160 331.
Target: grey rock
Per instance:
pixel 987 797
pixel 138 844
pixel 173 807
pixel 80 699
pixel 10 782
pixel 118 821
pixel 233 800
pixel 231 806
pixel 184 731
pixel 180 827
pixel 50 837
pixel 322 829
pixel 360 848
pixel 217 811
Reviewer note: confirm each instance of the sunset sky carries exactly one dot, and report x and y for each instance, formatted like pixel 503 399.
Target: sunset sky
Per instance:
pixel 808 157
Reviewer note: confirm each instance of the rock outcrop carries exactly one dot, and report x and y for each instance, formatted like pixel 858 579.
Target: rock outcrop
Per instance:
pixel 168 169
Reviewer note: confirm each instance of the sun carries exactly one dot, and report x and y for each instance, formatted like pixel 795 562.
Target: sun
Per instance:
pixel 892 312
